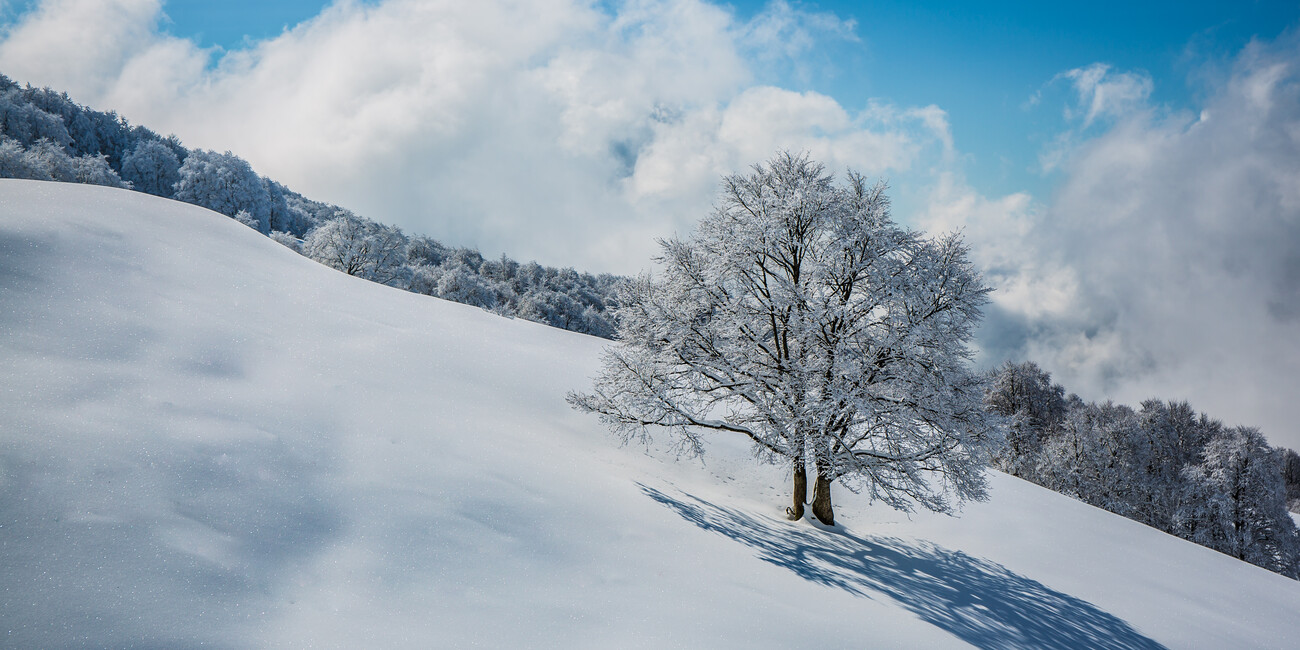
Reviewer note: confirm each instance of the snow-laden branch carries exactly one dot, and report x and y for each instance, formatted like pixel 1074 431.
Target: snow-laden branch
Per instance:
pixel 801 317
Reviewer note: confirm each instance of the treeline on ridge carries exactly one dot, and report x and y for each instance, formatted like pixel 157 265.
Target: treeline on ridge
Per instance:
pixel 44 135
pixel 1163 464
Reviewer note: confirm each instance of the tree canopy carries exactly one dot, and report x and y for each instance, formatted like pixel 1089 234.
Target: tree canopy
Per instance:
pixel 799 315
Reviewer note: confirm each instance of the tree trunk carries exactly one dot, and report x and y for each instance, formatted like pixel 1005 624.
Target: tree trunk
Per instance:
pixel 795 513
pixel 821 503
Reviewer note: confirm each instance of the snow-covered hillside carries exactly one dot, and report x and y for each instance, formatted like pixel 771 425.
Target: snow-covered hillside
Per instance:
pixel 206 439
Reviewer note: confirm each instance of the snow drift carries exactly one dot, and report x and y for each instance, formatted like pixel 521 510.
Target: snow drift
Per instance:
pixel 206 439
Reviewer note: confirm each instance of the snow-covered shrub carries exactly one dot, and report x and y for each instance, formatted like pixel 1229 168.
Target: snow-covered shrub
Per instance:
pixel 225 183
pixel 287 240
pixel 152 167
pixel 93 169
pixel 360 247
pixel 460 284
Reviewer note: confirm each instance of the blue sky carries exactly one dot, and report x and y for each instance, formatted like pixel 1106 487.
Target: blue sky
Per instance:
pixel 981 62
pixel 1127 176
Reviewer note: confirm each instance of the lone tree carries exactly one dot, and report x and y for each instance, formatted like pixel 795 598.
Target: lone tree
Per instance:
pixel 800 316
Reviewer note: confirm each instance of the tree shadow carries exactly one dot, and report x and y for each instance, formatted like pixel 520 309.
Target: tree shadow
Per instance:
pixel 978 601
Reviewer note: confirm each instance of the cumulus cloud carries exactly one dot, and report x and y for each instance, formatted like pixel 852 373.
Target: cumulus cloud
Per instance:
pixel 84 44
pixel 1102 97
pixel 1102 93
pixel 560 130
pixel 782 36
pixel 1174 240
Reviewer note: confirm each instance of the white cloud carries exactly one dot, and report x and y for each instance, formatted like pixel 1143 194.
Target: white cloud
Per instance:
pixel 82 44
pixel 1101 97
pixel 783 31
pixel 1178 238
pixel 553 129
pixel 998 231
pixel 1102 93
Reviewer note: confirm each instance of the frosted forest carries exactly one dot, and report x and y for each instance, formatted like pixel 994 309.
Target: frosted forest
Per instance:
pixel 47 136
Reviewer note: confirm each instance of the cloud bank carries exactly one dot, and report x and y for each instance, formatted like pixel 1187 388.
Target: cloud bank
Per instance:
pixel 1167 263
pixel 555 129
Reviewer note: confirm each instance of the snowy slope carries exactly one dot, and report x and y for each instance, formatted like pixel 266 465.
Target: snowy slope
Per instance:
pixel 206 439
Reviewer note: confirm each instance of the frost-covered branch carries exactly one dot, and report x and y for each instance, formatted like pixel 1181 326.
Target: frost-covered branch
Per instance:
pixel 800 316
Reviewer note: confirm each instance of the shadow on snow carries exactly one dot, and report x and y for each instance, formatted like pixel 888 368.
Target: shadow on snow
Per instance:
pixel 979 602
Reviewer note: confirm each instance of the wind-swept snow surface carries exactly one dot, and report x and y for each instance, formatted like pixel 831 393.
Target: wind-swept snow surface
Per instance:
pixel 207 439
